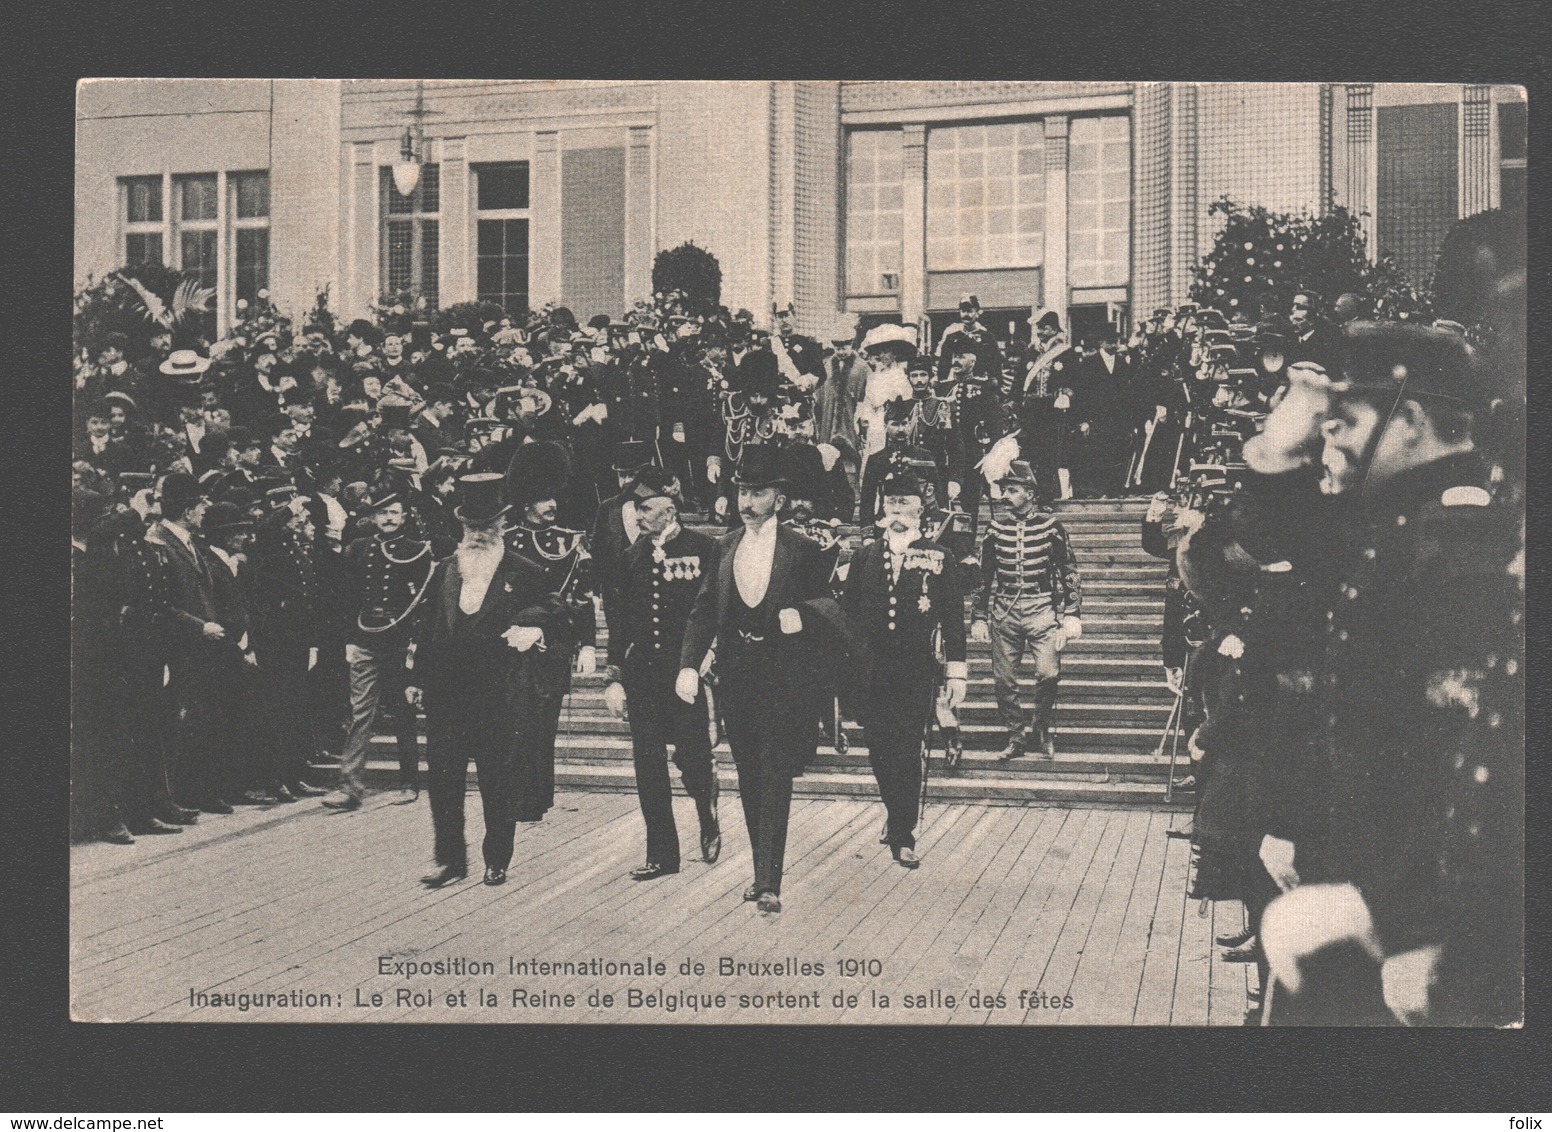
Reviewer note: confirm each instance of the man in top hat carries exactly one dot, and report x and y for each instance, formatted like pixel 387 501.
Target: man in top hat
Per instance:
pixel 1042 402
pixel 904 596
pixel 387 575
pixel 898 449
pixel 200 642
pixel 757 607
pixel 988 355
pixel 1030 598
pixel 485 618
pixel 662 573
pixel 1416 875
pixel 536 478
pixel 887 348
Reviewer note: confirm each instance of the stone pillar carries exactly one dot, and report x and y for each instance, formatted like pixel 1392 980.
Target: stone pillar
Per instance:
pixel 913 228
pixel 1055 274
pixel 361 283
pixel 544 223
pixel 456 283
pixel 638 214
pixel 1476 151
pixel 783 194
pixel 1185 219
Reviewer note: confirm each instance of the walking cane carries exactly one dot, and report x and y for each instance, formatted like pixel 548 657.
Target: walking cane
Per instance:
pixel 1172 725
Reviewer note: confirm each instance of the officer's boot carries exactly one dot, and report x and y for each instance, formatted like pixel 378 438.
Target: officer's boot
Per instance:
pixel 952 749
pixel 1044 716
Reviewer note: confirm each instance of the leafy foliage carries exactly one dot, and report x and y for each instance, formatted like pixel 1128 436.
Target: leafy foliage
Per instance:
pixel 1260 259
pixel 143 311
pixel 692 270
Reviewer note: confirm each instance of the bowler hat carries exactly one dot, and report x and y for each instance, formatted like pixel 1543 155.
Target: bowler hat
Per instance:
pixel 480 499
pixel 180 491
pixel 224 517
pixel 760 465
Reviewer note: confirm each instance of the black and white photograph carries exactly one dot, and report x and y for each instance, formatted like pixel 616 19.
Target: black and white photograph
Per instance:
pixel 857 553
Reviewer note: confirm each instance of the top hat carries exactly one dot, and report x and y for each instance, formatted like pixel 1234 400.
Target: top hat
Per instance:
pixel 184 364
pixel 632 455
pixel 1019 471
pixel 760 465
pixel 804 466
pixel 480 501
pixel 1411 361
pixel 395 413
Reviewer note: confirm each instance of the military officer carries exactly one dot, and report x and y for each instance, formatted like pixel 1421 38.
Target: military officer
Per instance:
pixel 932 419
pixel 388 573
pixel 1030 598
pixel 899 450
pixel 536 479
pixel 659 579
pixel 901 590
pixel 1416 879
pixel 977 418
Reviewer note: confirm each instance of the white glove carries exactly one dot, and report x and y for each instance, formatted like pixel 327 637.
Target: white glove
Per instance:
pixel 523 637
pixel 412 696
pixel 1173 678
pixel 1407 980
pixel 312 658
pixel 678 433
pixel 1277 857
pixel 587 660
pixel 791 621
pixel 956 692
pixel 805 382
pixel 953 489
pixel 713 467
pixel 721 507
pixel 980 632
pixel 614 700
pixel 688 685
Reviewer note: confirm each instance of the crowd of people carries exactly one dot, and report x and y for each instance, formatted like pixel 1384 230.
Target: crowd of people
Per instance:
pixel 285 533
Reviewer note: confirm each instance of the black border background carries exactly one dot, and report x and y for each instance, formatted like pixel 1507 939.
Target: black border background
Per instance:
pixel 54 1065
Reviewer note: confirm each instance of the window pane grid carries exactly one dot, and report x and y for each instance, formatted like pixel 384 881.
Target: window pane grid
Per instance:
pixel 1099 202
pixel 411 238
pixel 252 262
pixel 198 254
pixel 985 196
pixel 143 200
pixel 252 195
pixel 503 264
pixel 143 247
pixel 875 210
pixel 197 197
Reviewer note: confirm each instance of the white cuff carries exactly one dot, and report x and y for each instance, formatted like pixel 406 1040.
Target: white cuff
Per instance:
pixel 957 670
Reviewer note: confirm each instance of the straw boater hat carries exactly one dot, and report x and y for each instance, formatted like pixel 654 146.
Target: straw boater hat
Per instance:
pixel 185 364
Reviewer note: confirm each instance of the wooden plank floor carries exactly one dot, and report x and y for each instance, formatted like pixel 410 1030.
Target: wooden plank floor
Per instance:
pixel 1018 915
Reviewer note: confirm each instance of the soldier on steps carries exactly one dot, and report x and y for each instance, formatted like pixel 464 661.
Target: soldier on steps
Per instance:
pixel 1029 598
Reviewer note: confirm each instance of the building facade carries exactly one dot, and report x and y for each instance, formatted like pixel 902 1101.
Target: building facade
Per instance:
pixel 878 200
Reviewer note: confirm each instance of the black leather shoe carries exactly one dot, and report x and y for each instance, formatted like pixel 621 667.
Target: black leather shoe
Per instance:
pixel 448 874
pixel 711 844
pixel 118 834
pixel 215 806
pixel 303 790
pixel 907 856
pixel 179 815
pixel 1246 953
pixel 1236 939
pixel 751 893
pixel 1016 749
pixel 495 876
pixel 652 870
pixel 769 903
pixel 343 802
pixel 953 749
pixel 155 825
pixel 283 794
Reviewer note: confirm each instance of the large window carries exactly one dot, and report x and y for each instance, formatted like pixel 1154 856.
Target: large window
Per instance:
pixel 986 196
pixel 1099 202
pixel 141 213
pixel 249 209
pixel 411 236
pixel 179 220
pixel 875 211
pixel 501 253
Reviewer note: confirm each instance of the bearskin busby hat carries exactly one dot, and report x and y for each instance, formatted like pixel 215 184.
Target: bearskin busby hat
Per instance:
pixel 537 471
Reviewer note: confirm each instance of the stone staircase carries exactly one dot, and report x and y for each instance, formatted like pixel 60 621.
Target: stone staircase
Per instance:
pixel 1111 711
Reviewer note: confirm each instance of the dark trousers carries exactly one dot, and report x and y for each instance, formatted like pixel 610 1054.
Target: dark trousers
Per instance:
pixel 203 684
pixel 283 678
pixel 534 771
pixel 458 730
pixel 893 728
pixel 769 741
pixel 657 718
